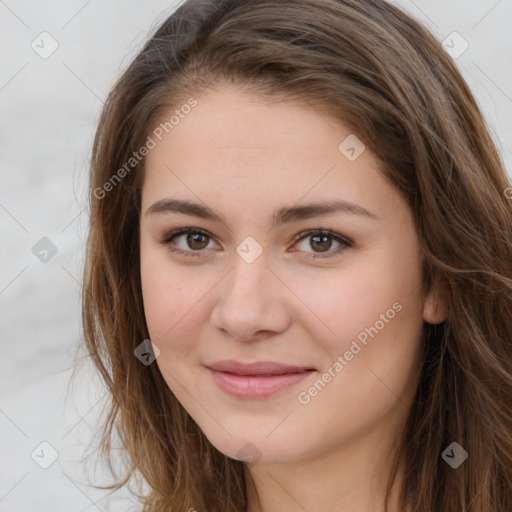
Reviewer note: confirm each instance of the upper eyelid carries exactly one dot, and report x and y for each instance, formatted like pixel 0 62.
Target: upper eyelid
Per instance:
pixel 174 233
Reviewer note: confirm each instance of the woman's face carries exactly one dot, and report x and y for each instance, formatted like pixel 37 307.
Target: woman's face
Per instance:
pixel 338 316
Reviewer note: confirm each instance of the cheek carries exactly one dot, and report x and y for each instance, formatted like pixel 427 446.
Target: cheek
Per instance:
pixel 175 303
pixel 339 304
pixel 377 303
pixel 157 297
pixel 163 295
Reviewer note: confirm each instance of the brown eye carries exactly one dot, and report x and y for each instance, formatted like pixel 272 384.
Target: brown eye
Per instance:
pixel 195 241
pixel 321 241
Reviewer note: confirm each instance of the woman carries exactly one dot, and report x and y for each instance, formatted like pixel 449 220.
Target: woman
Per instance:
pixel 250 370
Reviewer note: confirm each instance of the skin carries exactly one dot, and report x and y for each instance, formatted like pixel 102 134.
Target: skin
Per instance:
pixel 244 158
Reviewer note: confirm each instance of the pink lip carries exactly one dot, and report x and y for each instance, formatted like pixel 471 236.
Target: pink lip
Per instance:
pixel 256 380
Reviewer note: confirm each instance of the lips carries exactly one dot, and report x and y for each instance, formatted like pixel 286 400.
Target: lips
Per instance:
pixel 256 368
pixel 258 379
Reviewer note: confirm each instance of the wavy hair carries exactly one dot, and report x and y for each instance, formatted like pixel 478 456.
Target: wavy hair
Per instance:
pixel 382 73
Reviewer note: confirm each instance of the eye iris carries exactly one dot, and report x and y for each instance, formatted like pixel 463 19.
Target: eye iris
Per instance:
pixel 323 247
pixel 193 238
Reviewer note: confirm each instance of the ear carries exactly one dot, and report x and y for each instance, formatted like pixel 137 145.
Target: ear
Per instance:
pixel 434 310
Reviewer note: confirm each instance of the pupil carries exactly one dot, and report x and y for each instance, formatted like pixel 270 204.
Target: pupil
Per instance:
pixel 322 247
pixel 195 238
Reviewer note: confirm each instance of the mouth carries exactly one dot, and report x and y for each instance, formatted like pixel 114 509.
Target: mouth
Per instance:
pixel 258 379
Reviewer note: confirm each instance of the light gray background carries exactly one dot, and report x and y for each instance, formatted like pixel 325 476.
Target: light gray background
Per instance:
pixel 49 109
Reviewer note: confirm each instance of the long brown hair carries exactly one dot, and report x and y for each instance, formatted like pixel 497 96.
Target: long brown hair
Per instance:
pixel 368 64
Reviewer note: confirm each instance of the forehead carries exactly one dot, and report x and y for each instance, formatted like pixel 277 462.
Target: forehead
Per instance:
pixel 234 146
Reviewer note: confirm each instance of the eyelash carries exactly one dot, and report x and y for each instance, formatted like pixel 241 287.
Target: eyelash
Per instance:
pixel 346 243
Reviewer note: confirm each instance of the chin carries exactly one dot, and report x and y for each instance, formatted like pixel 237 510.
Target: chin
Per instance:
pixel 256 450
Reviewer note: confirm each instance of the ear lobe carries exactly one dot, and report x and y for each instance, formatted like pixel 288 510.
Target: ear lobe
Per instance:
pixel 434 311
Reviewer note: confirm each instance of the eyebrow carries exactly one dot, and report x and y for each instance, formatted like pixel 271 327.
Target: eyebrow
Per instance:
pixel 280 216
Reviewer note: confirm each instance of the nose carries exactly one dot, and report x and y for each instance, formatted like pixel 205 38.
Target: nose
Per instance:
pixel 251 302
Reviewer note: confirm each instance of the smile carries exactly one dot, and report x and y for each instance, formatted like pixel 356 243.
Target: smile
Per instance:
pixel 256 386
